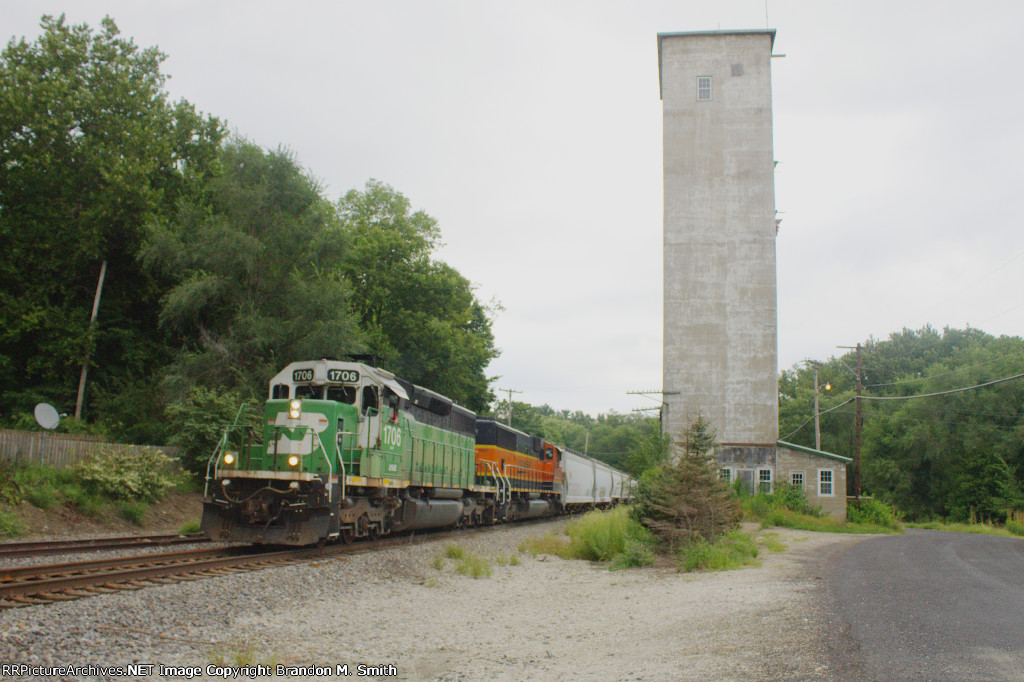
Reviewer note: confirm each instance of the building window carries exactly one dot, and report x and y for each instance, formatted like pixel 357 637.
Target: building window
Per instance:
pixel 703 88
pixel 764 481
pixel 725 475
pixel 797 479
pixel 825 488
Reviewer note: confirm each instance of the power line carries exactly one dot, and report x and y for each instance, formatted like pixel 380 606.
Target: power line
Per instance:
pixel 810 419
pixel 976 282
pixel 929 395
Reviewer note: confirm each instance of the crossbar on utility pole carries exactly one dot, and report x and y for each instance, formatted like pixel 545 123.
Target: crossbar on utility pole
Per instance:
pixel 510 392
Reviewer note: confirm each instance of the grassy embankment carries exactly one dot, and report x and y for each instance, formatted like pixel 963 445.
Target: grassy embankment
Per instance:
pixel 112 483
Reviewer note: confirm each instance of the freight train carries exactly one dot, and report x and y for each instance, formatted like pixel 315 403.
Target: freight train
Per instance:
pixel 347 450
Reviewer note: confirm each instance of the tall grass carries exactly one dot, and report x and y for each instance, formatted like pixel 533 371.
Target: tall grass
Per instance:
pixel 613 536
pixel 733 550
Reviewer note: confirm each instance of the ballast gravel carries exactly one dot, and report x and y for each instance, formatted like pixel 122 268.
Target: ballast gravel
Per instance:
pixel 407 614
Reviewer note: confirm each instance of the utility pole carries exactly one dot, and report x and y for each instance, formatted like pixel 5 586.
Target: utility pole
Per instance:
pixel 858 427
pixel 92 324
pixel 817 423
pixel 510 392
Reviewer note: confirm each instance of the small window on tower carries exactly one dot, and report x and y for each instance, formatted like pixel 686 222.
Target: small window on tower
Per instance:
pixel 703 88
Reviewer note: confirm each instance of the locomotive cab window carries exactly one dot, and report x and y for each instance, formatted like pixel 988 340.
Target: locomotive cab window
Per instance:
pixel 370 399
pixel 342 394
pixel 280 392
pixel 315 392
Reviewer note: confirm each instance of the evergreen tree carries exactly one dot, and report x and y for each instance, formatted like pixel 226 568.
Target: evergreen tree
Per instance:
pixel 685 499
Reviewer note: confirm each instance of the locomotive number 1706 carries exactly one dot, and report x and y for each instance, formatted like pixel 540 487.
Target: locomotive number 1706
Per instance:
pixel 343 376
pixel 391 435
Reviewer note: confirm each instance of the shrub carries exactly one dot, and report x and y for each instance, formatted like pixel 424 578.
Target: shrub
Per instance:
pixel 871 511
pixel 638 552
pixel 793 498
pixel 1015 522
pixel 783 497
pixel 126 473
pixel 199 421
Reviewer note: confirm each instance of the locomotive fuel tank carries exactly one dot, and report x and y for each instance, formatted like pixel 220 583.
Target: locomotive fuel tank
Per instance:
pixel 436 513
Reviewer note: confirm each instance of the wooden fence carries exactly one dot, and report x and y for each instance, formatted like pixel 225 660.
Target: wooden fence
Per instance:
pixel 54 449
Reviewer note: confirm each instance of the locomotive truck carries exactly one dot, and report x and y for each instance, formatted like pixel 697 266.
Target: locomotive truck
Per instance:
pixel 346 450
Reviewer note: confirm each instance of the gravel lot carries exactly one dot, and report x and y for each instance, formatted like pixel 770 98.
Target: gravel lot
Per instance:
pixel 540 619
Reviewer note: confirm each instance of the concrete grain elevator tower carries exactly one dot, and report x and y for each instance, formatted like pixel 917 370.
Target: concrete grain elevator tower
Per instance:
pixel 720 344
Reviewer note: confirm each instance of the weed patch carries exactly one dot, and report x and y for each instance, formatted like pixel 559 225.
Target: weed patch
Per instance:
pixel 550 544
pixel 733 550
pixel 132 512
pixel 454 552
pixel 771 542
pixel 10 526
pixel 474 567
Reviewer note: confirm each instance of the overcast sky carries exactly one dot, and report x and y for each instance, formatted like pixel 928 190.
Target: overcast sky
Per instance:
pixel 532 131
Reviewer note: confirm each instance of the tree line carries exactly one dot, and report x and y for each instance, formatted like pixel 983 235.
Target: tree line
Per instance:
pixel 956 454
pixel 223 261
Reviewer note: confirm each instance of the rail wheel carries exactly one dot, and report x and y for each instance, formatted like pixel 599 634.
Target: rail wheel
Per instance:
pixel 363 526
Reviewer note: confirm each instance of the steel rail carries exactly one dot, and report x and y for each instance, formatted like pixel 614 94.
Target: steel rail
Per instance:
pixel 50 584
pixel 43 547
pixel 31 585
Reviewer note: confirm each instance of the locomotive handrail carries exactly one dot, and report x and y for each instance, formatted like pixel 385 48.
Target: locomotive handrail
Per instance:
pixel 213 458
pixel 216 451
pixel 330 468
pixel 341 457
pixel 504 485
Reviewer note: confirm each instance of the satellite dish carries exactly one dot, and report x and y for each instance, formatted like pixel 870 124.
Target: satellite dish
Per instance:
pixel 47 416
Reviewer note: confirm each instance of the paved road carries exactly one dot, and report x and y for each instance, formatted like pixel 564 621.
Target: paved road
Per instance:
pixel 929 605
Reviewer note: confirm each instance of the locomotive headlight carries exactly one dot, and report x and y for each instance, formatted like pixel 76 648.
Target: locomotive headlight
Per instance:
pixel 229 458
pixel 294 409
pixel 293 461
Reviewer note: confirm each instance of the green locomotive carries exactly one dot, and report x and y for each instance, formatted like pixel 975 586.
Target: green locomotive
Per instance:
pixel 345 450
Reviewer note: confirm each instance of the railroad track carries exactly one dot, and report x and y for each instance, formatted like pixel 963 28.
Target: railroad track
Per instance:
pixel 44 547
pixel 31 585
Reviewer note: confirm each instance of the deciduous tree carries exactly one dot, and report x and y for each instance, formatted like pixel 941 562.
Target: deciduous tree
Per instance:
pixel 91 150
